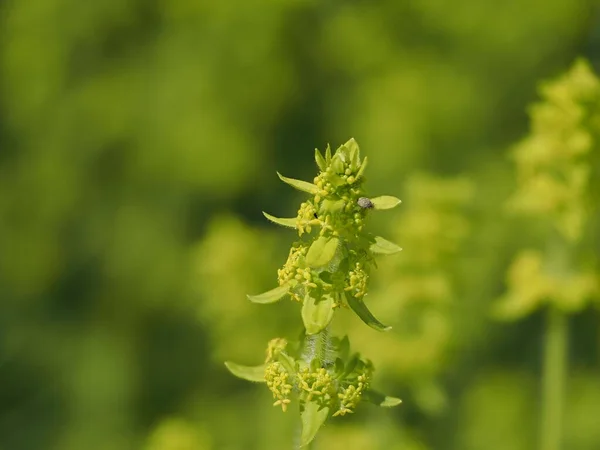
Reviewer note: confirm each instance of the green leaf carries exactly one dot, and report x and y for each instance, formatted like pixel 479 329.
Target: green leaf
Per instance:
pixel 250 373
pixel 385 202
pixel 304 186
pixel 287 362
pixel 337 163
pixel 328 154
pixel 338 367
pixel 361 310
pixel 331 206
pixel 354 152
pixel 363 166
pixel 380 399
pixel 312 419
pixel 290 223
pixel 344 348
pixel 384 247
pixel 352 364
pixel 270 296
pixel 320 160
pixel 336 180
pixel 322 251
pixel 317 315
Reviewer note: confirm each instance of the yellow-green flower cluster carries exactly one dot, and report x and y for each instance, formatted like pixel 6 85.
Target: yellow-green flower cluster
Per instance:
pixel 331 268
pixel 351 394
pixel 357 281
pixel 322 386
pixel 274 347
pixel 338 190
pixel 296 271
pixel 307 218
pixel 316 386
pixel 294 263
pixel 553 175
pixel 345 169
pixel 277 381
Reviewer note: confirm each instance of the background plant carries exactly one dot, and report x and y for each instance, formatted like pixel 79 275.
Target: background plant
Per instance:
pixel 554 171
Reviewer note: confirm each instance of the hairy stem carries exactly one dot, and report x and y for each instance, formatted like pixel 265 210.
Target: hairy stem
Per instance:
pixel 555 356
pixel 316 347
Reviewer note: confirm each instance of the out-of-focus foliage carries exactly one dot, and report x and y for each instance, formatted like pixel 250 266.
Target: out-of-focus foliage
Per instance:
pixel 554 170
pixel 418 289
pixel 177 434
pixel 138 144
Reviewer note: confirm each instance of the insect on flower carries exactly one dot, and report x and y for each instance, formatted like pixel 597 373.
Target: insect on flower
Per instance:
pixel 365 203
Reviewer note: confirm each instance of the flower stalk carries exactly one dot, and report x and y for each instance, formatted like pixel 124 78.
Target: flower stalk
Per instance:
pixel 554 374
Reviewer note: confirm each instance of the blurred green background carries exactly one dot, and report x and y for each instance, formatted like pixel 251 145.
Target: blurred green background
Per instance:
pixel 139 141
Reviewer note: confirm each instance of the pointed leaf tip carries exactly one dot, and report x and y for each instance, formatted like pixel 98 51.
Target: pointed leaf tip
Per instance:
pixel 384 247
pixel 363 166
pixel 250 373
pixel 320 160
pixel 271 296
pixel 285 222
pixel 385 202
pixel 389 402
pixel 304 186
pixel 361 310
pixel 380 399
pixel 353 150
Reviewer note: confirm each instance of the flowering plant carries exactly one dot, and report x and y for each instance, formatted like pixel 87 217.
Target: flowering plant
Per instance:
pixel 327 269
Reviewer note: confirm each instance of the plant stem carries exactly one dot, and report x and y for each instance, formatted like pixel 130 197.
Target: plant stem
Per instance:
pixel 555 362
pixel 316 347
